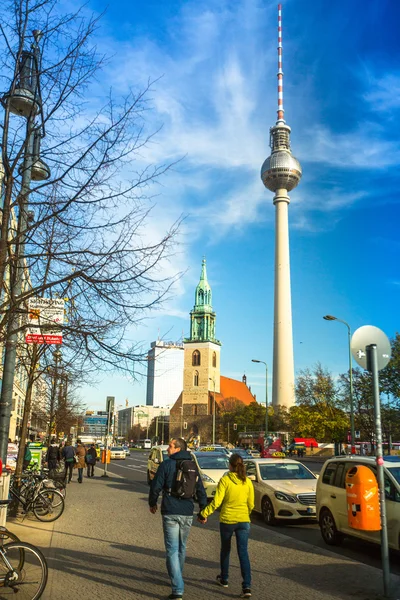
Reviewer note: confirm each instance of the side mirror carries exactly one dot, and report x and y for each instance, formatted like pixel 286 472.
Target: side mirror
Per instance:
pixel 252 477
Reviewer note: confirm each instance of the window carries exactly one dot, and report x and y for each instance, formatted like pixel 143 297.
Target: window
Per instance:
pixel 196 358
pixel 194 409
pixel 329 474
pixel 251 469
pixel 214 359
pixel 340 479
pixel 196 378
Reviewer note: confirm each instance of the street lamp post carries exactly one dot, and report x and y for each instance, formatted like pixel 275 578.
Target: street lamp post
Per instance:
pixel 213 422
pixel 352 436
pixel 266 396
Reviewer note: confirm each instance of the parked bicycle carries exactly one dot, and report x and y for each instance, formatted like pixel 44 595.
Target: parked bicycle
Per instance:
pixel 47 504
pixel 23 568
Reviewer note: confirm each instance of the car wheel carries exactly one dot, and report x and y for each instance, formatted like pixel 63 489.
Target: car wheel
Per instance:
pixel 328 528
pixel 268 512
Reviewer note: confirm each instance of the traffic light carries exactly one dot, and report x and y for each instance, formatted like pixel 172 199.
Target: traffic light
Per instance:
pixel 235 426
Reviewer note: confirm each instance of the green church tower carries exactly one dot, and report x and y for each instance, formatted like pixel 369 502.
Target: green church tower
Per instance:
pixel 202 317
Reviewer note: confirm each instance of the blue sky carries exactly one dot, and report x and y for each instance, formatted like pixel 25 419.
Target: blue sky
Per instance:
pixel 216 100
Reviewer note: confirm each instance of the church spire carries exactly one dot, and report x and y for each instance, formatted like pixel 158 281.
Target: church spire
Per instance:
pixel 202 317
pixel 203 290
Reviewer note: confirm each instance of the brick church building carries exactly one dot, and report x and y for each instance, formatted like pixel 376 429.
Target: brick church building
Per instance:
pixel 203 385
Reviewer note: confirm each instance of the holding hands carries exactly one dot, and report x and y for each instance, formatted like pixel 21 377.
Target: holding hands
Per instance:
pixel 201 519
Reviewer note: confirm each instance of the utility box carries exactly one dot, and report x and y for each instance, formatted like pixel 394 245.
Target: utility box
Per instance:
pixel 103 456
pixel 362 493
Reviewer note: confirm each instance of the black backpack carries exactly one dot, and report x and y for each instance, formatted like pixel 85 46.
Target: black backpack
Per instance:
pixel 186 477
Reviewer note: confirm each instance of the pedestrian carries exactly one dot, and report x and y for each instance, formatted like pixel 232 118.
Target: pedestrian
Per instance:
pixel 80 453
pixel 91 456
pixel 177 512
pixel 68 454
pixel 52 456
pixel 27 457
pixel 235 496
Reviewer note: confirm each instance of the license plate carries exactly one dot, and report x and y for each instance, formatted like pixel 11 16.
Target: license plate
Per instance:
pixel 311 511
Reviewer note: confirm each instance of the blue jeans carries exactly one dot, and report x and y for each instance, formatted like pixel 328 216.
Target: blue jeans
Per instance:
pixel 176 531
pixel 80 474
pixel 241 531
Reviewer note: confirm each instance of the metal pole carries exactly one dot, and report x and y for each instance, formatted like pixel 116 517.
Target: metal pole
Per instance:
pixel 13 324
pixel 105 474
pixel 266 404
pixel 372 361
pixel 352 434
pixel 181 421
pixel 213 425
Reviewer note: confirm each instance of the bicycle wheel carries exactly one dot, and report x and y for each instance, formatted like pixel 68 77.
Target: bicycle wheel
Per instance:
pixel 57 486
pixel 28 581
pixel 6 537
pixel 48 505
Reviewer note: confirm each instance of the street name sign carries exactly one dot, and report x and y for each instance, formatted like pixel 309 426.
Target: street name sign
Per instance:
pixel 45 321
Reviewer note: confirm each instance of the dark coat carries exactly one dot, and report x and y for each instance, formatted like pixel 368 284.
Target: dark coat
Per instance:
pixel 91 456
pixel 53 453
pixel 164 480
pixel 68 453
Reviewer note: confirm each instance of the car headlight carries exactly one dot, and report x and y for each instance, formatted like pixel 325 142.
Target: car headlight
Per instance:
pixel 285 497
pixel 207 478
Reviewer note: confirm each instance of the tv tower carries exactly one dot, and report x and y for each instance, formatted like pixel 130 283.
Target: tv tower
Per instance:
pixel 281 173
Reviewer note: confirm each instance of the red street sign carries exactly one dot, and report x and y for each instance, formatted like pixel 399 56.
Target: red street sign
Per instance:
pixel 32 338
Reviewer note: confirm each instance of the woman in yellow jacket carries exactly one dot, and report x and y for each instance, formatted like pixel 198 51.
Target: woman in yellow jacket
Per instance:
pixel 235 496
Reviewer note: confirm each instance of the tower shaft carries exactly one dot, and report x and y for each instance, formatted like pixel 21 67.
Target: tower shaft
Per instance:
pixel 281 173
pixel 283 362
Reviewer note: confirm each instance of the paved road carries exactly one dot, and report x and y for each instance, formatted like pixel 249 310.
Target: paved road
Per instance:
pixel 134 469
pixel 108 545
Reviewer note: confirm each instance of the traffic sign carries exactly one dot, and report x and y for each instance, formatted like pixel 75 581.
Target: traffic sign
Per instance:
pixel 366 336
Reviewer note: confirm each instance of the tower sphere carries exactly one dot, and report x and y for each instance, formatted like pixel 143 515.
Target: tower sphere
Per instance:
pixel 281 170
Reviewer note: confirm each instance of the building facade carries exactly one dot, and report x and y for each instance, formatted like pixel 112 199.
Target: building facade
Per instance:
pixel 95 425
pixel 164 373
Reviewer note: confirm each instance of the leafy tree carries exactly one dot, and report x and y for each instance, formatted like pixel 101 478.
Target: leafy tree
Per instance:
pixel 389 377
pixel 317 413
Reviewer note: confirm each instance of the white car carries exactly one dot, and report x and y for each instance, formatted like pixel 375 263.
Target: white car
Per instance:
pixel 283 489
pixel 212 466
pixel 332 500
pixel 117 452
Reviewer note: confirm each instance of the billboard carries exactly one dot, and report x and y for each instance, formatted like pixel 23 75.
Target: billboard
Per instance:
pixel 45 320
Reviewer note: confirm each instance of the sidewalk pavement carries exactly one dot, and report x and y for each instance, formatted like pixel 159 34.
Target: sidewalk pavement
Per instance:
pixel 108 545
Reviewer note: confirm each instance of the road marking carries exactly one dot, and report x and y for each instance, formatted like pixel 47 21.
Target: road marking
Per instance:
pixel 130 468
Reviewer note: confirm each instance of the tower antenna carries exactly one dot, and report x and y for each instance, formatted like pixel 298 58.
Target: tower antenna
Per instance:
pixel 280 72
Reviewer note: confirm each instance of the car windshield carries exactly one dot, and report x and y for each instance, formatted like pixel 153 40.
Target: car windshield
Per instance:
pixel 395 472
pixel 282 471
pixel 117 449
pixel 241 452
pixel 216 461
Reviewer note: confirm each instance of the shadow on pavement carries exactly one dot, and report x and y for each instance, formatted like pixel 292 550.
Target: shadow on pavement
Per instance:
pixel 333 580
pixel 122 576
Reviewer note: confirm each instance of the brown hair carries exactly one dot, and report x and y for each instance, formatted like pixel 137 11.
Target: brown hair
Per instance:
pixel 238 467
pixel 179 443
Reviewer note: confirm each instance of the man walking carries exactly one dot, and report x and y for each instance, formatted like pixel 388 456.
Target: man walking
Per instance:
pixel 91 456
pixel 177 512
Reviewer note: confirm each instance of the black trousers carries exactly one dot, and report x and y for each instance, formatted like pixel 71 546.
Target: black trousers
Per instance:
pixel 90 470
pixel 69 466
